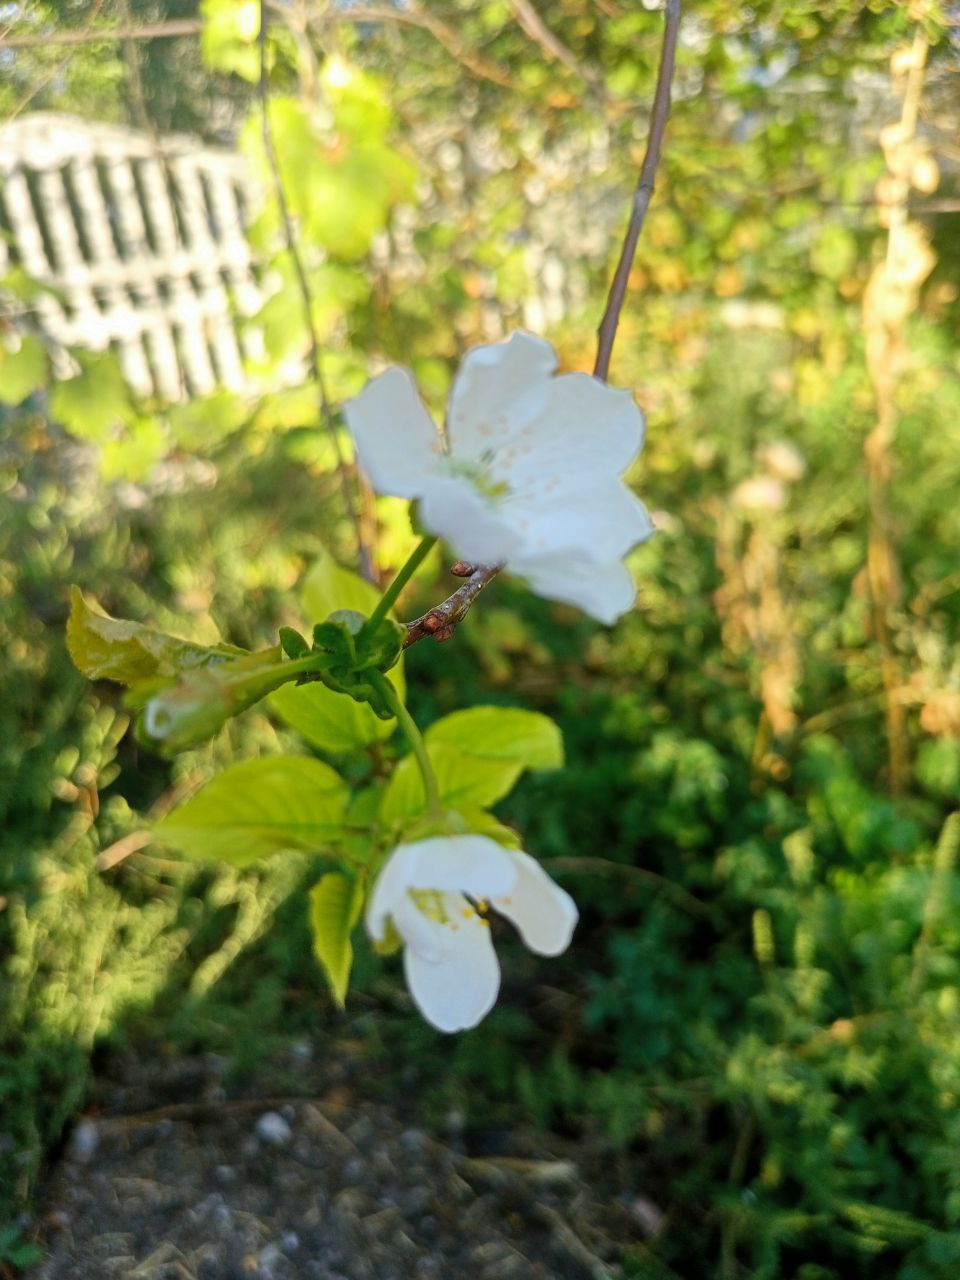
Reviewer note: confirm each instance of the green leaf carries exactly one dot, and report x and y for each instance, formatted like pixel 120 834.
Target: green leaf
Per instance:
pixel 480 822
pixel 92 404
pixel 135 453
pixel 258 808
pixel 229 37
pixel 292 643
pixel 329 587
pixel 106 648
pixel 464 782
pixel 22 371
pixel 198 424
pixel 326 719
pixel 335 903
pixel 526 738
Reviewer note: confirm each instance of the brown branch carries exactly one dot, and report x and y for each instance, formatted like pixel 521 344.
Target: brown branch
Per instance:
pixel 443 619
pixel 534 26
pixel 53 71
pixel 316 355
pixel 151 31
pixel 606 866
pixel 414 16
pixel 641 198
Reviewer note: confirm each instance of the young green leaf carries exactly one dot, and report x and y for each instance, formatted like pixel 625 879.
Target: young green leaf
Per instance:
pixel 326 719
pixel 329 587
pixel 106 648
pixel 93 402
pixel 335 903
pixel 22 371
pixel 526 738
pixel 257 808
pixel 464 781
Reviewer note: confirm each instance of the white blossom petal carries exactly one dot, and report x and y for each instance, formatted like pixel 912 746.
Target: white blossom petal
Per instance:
pixel 469 864
pixel 499 388
pixel 471 524
pixel 604 522
pixel 459 990
pixel 604 590
pixel 418 931
pixel 585 432
pixel 544 914
pixel 397 442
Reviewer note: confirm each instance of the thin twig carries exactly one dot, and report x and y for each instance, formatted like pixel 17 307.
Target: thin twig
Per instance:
pixel 641 198
pixel 53 72
pixel 606 866
pixel 414 16
pixel 150 31
pixel 121 849
pixel 137 93
pixel 316 356
pixel 534 26
pixel 443 619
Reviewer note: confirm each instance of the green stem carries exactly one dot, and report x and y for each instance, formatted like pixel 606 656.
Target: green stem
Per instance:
pixel 414 737
pixel 404 575
pixel 292 670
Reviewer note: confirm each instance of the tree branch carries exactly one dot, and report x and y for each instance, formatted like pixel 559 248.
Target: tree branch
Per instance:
pixel 534 26
pixel 442 620
pixel 641 198
pixel 413 15
pixel 99 35
pixel 316 355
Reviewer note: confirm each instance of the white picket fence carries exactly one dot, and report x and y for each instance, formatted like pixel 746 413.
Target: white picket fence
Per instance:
pixel 142 241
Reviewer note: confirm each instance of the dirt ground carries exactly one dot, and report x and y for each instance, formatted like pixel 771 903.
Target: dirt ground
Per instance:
pixel 171 1177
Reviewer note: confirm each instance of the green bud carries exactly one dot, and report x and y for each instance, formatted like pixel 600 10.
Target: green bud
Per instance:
pixel 292 643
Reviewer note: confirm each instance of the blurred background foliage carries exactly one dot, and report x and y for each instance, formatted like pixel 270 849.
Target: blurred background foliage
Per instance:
pixel 761 1011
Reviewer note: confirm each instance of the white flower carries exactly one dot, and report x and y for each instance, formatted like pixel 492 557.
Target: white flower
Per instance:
pixel 436 892
pixel 526 474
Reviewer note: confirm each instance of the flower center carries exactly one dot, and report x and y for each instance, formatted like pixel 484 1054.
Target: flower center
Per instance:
pixel 430 903
pixel 477 472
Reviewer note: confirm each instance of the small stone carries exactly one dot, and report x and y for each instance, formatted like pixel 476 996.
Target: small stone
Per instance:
pixel 223 1217
pixel 289 1242
pixel 273 1129
pixel 413 1140
pixel 224 1175
pixel 84 1142
pixel 269 1257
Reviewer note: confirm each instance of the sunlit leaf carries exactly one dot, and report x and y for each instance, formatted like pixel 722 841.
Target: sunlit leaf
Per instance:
pixel 526 738
pixel 257 808
pixel 106 648
pixel 335 903
pixel 94 402
pixel 328 720
pixel 22 371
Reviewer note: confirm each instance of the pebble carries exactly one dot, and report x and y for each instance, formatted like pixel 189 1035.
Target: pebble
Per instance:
pixel 84 1142
pixel 272 1128
pixel 224 1175
pixel 413 1140
pixel 289 1242
pixel 268 1258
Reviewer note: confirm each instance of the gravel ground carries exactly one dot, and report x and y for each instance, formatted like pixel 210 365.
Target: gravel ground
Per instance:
pixel 335 1186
